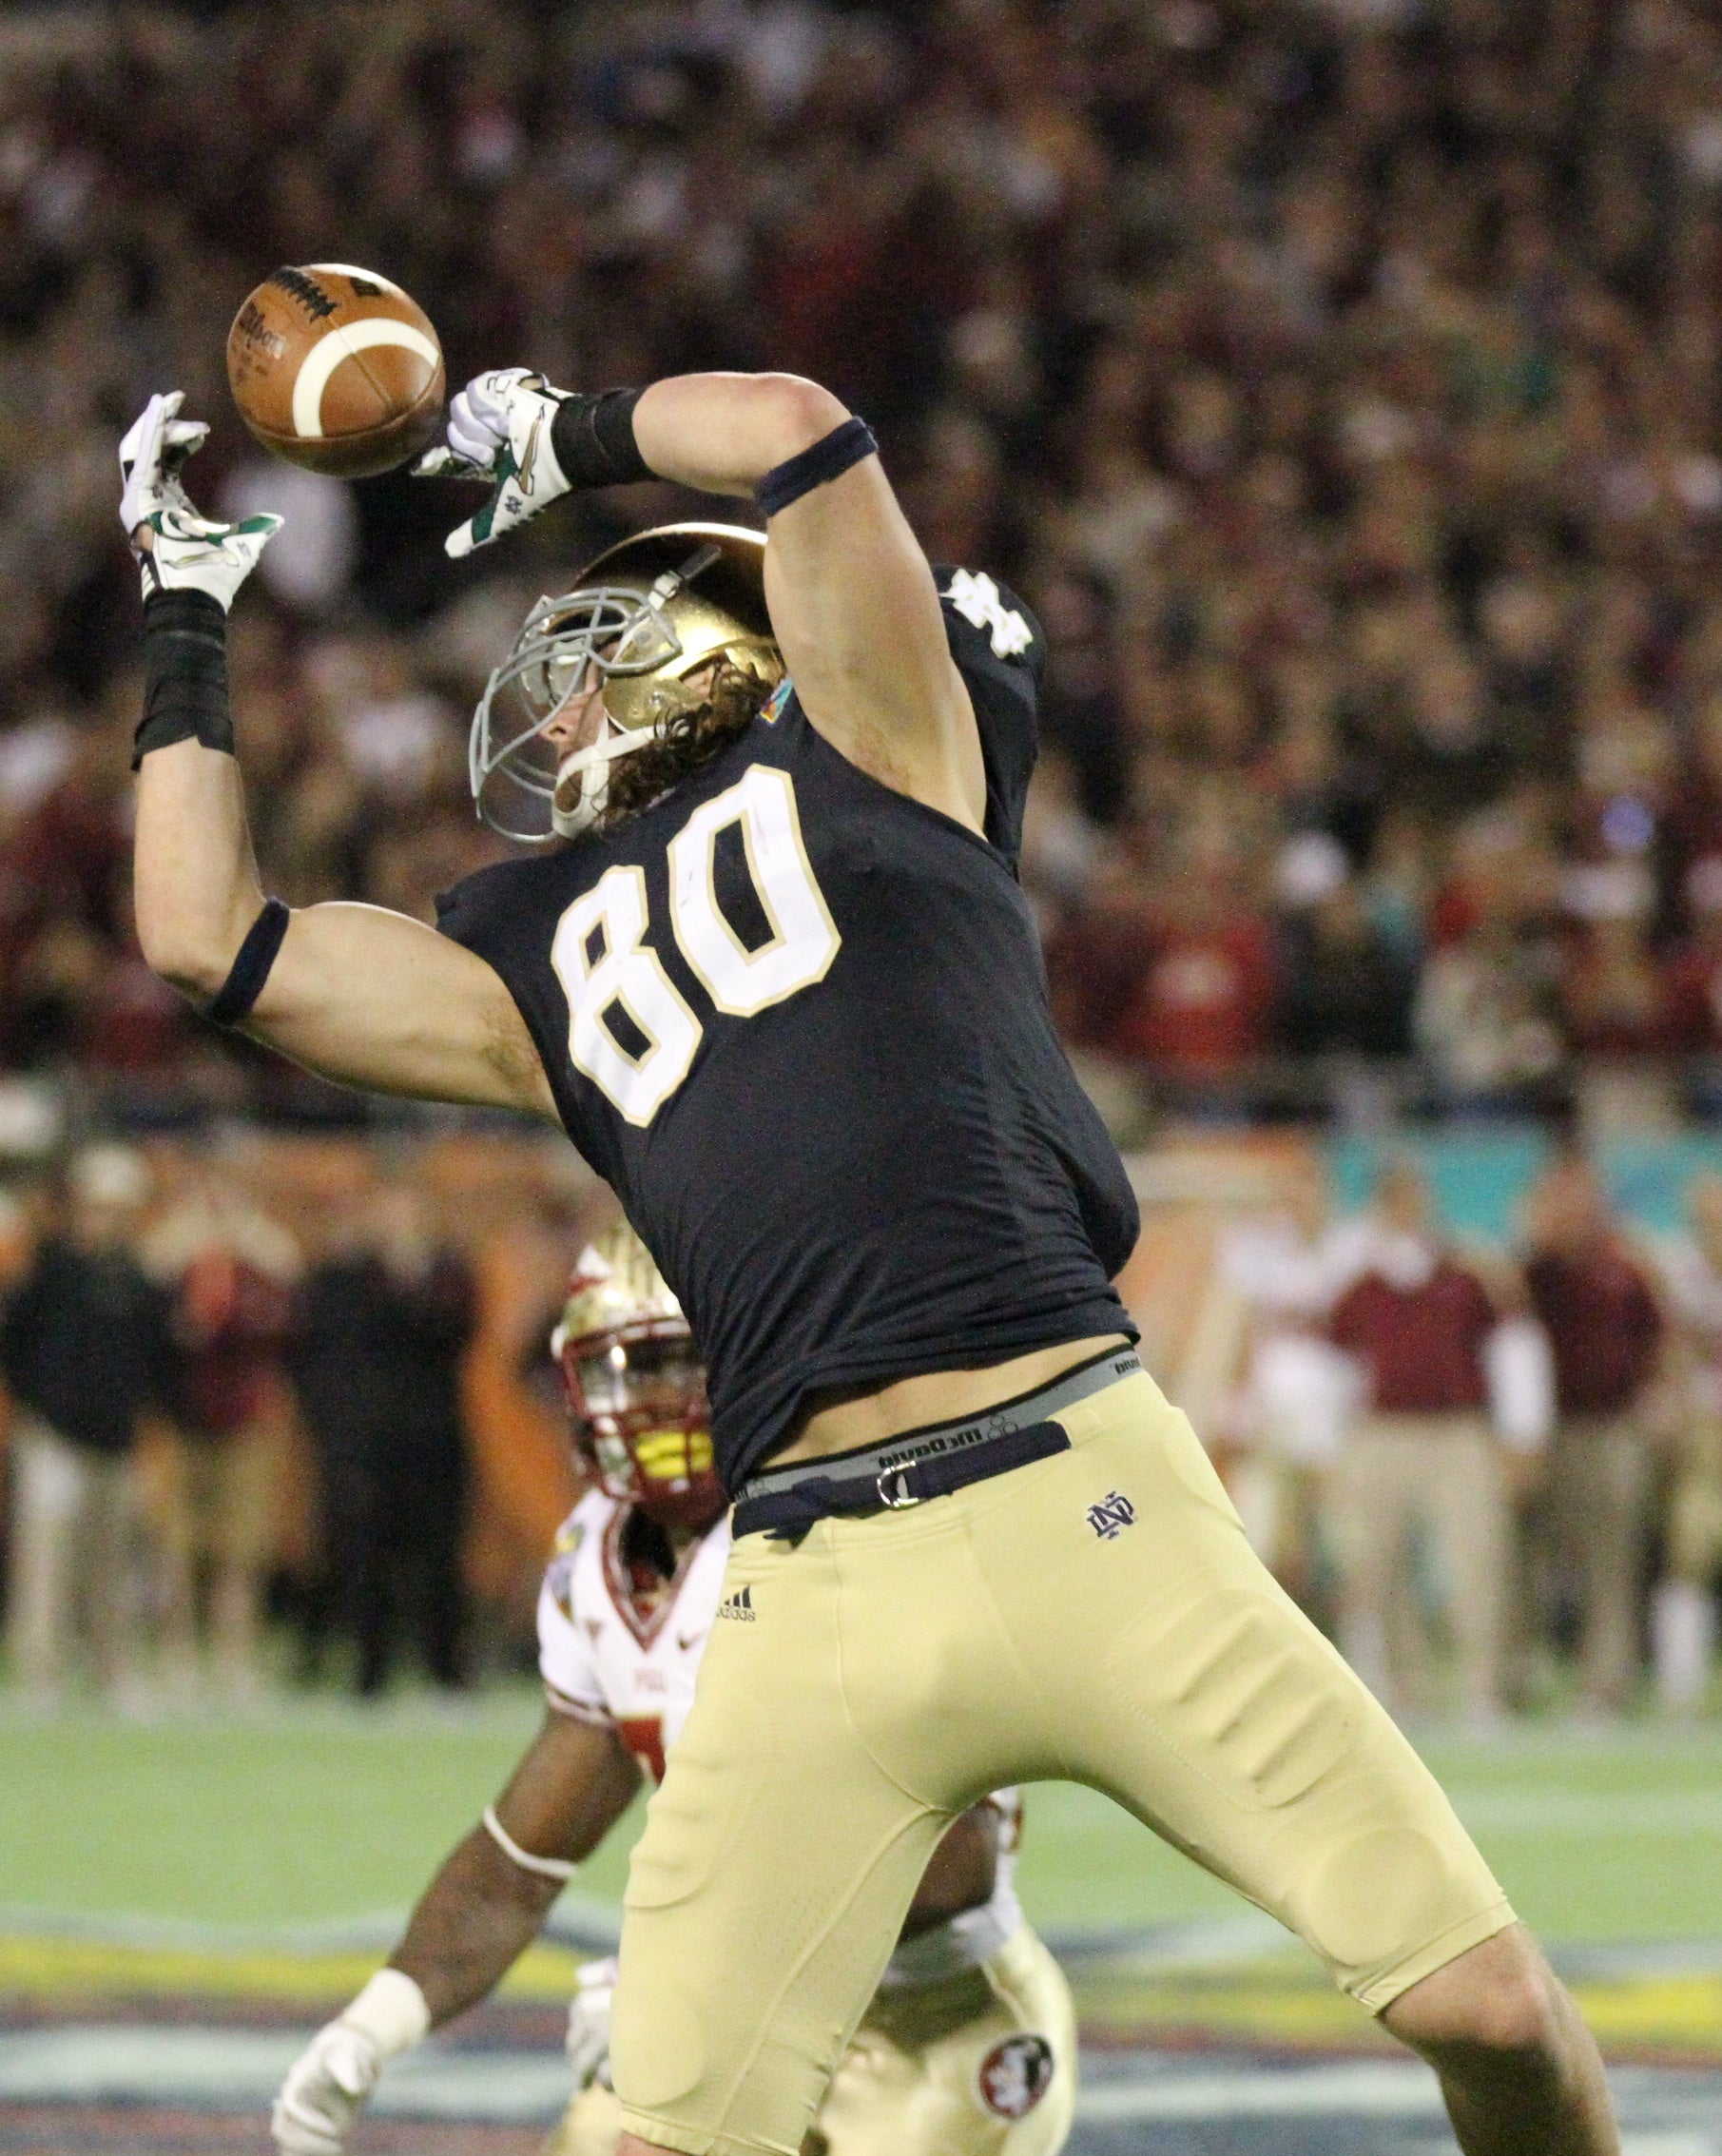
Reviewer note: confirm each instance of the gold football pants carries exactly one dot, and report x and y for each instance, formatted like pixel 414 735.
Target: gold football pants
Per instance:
pixel 1097 1616
pixel 981 2065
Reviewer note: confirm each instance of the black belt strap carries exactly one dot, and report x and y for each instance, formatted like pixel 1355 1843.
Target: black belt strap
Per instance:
pixel 785 1515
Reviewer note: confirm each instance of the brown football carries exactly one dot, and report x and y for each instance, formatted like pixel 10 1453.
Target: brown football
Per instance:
pixel 337 369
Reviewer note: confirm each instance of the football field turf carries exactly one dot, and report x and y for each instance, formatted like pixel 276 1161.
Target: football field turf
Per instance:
pixel 313 1813
pixel 179 1901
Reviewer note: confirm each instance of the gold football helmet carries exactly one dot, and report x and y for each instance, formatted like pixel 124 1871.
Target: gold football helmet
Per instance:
pixel 643 618
pixel 636 1387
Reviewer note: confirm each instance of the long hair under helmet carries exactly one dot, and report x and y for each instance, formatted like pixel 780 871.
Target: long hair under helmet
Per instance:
pixel 635 1385
pixel 641 619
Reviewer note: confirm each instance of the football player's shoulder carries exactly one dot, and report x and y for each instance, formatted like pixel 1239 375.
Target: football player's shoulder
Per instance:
pixel 986 620
pixel 594 1513
pixel 999 651
pixel 585 1524
pixel 492 902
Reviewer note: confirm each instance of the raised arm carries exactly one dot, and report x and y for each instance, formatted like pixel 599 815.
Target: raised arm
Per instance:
pixel 851 595
pixel 355 993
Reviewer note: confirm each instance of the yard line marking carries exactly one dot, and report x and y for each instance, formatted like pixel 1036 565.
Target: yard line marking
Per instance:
pixel 240 2069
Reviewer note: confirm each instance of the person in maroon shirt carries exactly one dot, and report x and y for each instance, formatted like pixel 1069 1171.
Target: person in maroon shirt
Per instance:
pixel 1605 1327
pixel 225 1273
pixel 1422 1459
pixel 1203 987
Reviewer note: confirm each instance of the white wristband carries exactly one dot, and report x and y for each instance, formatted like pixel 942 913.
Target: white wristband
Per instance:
pixel 546 1867
pixel 391 2011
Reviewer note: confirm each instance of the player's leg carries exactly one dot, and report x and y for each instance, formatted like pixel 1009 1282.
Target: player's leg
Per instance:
pixel 1516 2065
pixel 778 1861
pixel 981 2065
pixel 1195 1692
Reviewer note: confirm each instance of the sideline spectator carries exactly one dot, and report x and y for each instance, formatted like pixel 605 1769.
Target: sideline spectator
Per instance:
pixel 1594 1298
pixel 80 1345
pixel 1421 1461
pixel 1683 1608
pixel 383 1322
pixel 1297 1392
pixel 226 1271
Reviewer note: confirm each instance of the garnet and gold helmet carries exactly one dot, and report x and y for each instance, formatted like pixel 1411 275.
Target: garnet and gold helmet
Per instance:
pixel 636 1386
pixel 640 620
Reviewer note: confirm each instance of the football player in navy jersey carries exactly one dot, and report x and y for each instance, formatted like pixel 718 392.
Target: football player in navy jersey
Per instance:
pixel 969 2047
pixel 786 995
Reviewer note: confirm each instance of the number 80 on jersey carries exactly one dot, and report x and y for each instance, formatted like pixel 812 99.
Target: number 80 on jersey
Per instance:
pixel 601 958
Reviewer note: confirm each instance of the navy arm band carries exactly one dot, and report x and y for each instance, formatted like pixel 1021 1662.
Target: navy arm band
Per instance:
pixel 257 954
pixel 185 674
pixel 828 459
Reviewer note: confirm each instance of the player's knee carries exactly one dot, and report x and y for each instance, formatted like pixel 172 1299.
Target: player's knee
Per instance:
pixel 1498 2003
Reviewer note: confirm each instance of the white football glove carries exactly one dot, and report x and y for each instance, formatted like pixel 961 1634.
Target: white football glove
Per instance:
pixel 178 549
pixel 499 429
pixel 325 2091
pixel 337 2069
pixel 589 2023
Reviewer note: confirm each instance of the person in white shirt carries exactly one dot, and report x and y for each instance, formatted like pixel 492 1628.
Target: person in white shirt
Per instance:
pixel 968 2048
pixel 1285 1264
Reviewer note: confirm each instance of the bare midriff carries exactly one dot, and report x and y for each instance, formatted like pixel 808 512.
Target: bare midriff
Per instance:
pixel 935 1396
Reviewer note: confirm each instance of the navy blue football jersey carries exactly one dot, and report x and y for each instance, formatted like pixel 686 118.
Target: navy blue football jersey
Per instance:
pixel 799 1022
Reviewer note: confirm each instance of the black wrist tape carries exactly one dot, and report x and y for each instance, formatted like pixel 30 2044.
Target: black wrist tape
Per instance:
pixel 593 437
pixel 185 674
pixel 251 964
pixel 828 459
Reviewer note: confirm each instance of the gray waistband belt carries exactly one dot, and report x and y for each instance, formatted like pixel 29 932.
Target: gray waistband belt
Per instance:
pixel 919 1463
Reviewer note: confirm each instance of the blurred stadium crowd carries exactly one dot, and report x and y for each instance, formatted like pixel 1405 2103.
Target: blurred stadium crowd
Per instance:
pixel 1338 380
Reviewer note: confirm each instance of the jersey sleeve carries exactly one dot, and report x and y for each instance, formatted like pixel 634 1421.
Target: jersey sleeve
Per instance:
pixel 565 1660
pixel 1001 652
pixel 506 915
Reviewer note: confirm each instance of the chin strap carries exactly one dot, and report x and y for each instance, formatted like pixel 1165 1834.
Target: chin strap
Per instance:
pixel 546 1867
pixel 571 823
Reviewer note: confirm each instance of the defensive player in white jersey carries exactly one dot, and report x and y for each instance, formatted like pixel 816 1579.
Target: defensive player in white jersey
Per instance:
pixel 969 2047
